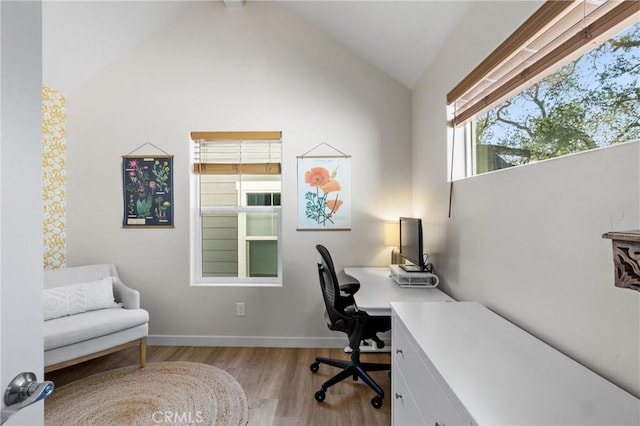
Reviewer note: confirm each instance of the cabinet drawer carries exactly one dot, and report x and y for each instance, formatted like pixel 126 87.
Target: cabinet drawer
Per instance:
pixel 404 411
pixel 407 360
pixel 433 403
pixel 404 351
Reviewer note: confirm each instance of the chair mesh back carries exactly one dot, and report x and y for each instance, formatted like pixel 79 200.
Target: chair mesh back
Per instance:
pixel 329 285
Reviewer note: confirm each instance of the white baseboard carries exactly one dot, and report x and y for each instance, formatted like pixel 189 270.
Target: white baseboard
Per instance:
pixel 250 341
pixel 246 341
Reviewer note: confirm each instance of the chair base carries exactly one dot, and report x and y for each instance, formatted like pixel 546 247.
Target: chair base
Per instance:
pixel 353 368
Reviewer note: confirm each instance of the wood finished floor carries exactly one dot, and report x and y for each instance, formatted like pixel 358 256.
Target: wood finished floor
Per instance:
pixel 278 384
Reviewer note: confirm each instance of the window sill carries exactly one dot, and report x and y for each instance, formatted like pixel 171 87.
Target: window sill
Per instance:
pixel 244 284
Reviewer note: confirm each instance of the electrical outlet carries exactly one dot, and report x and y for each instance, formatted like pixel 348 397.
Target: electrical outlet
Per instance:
pixel 240 309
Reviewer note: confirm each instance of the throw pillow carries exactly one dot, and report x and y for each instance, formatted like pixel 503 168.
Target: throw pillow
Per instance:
pixel 78 298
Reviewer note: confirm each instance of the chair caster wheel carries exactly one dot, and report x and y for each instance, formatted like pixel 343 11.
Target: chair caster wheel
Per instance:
pixel 376 402
pixel 320 395
pixel 314 367
pixel 380 344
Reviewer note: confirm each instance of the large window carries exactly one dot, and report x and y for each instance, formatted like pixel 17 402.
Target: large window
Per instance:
pixel 236 200
pixel 567 81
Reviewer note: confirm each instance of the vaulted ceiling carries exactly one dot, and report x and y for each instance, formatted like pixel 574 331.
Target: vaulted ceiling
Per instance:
pixel 400 38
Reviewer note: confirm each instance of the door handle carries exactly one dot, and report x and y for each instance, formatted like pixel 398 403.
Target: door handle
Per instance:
pixel 23 391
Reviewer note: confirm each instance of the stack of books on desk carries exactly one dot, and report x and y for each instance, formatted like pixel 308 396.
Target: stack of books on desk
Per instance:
pixel 413 279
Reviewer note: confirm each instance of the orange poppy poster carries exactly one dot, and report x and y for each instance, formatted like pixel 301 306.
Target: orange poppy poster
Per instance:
pixel 324 193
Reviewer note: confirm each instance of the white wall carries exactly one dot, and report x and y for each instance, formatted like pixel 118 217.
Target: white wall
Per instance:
pixel 250 68
pixel 526 241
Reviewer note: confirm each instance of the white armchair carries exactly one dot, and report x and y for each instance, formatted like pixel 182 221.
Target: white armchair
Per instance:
pixel 90 312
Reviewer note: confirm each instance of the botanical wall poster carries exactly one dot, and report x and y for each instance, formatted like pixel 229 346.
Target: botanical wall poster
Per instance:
pixel 148 191
pixel 324 193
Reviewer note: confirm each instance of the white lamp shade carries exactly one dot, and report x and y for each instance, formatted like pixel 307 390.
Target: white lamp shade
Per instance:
pixel 392 234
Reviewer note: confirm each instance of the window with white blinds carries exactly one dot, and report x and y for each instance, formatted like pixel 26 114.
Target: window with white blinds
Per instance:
pixel 237 220
pixel 577 58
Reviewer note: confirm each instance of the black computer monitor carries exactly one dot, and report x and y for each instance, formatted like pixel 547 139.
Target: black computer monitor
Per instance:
pixel 411 244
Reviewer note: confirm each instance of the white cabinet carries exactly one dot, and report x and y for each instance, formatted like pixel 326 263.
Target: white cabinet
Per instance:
pixel 418 398
pixel 459 363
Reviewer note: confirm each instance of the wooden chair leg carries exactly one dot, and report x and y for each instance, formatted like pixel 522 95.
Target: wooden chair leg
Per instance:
pixel 143 352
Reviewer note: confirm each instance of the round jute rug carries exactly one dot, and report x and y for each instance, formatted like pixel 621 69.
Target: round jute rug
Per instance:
pixel 161 393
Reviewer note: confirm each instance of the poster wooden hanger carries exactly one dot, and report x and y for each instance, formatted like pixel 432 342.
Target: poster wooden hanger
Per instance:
pixel 145 144
pixel 306 154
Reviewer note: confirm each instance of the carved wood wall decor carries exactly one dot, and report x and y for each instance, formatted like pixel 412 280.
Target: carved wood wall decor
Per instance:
pixel 626 258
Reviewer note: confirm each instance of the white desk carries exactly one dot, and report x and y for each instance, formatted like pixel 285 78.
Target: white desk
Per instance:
pixel 378 290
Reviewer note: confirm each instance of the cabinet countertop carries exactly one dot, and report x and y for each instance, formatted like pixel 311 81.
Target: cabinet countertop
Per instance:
pixel 504 375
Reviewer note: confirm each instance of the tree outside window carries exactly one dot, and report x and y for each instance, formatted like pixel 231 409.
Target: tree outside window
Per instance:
pixel 589 103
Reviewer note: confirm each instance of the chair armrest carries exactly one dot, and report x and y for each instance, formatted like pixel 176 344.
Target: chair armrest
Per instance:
pixel 350 288
pixel 129 297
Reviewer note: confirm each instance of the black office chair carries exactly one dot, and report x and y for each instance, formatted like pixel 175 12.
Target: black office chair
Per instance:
pixel 342 314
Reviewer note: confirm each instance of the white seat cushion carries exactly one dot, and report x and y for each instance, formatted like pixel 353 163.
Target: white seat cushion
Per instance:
pixel 88 325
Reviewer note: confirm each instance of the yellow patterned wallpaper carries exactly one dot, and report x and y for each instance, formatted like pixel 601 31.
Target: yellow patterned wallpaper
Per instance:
pixel 54 130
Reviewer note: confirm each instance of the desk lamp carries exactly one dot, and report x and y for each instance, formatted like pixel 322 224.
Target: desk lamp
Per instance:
pixel 392 238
